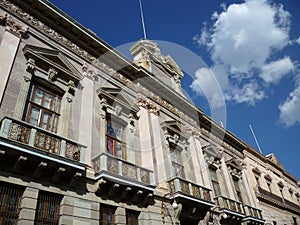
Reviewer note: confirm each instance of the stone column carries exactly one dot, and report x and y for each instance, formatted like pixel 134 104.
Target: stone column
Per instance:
pixel 86 117
pixel 145 140
pixel 227 180
pixel 8 49
pixel 157 146
pixel 200 165
pixel 28 206
pixel 249 188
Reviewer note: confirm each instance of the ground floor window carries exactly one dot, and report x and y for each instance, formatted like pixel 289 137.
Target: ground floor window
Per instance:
pixel 132 217
pixel 107 215
pixel 47 212
pixel 10 198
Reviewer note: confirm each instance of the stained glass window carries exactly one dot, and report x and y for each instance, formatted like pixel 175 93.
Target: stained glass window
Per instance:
pixel 115 139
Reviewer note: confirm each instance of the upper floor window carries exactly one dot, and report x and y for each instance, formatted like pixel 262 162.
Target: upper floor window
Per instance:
pixel 215 181
pixel 47 209
pixel 115 138
pixel 237 189
pixel 177 167
pixel 132 217
pixel 107 215
pixel 43 108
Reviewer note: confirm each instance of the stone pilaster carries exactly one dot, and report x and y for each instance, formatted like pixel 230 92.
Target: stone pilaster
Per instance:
pixel 8 49
pixel 86 117
pixel 157 145
pixel 28 206
pixel 120 216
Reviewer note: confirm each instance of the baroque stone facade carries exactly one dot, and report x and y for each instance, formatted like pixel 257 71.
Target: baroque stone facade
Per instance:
pixel 82 142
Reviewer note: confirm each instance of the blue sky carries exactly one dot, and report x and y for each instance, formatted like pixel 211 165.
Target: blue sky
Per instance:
pixel 251 47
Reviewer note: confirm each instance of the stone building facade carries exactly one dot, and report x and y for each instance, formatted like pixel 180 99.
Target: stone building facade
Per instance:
pixel 88 136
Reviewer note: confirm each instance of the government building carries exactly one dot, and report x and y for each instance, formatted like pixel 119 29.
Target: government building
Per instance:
pixel 90 137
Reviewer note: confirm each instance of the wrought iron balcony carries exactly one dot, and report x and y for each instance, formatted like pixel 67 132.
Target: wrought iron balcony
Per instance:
pixel 229 204
pixel 116 166
pixel 40 139
pixel 180 186
pixel 252 212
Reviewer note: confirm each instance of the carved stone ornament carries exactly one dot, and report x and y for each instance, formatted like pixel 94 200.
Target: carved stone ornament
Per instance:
pixel 52 74
pixel 12 26
pixel 71 87
pixel 148 104
pixel 30 65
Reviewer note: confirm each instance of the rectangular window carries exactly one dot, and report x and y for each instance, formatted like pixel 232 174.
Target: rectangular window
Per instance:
pixel 177 167
pixel 10 198
pixel 215 181
pixel 115 138
pixel 43 109
pixel 47 211
pixel 107 215
pixel 132 217
pixel 237 189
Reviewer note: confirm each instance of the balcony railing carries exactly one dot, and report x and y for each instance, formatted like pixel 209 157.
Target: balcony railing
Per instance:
pixel 36 137
pixel 179 185
pixel 226 203
pixel 252 212
pixel 106 162
pixel 261 193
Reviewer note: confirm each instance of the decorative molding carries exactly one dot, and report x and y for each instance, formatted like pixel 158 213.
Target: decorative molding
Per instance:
pixel 12 26
pixel 148 104
pixel 30 65
pixel 52 74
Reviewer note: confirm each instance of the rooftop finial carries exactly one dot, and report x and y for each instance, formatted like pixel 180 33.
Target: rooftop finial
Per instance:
pixel 142 17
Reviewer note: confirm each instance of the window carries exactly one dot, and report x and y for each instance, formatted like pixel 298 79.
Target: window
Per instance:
pixel 107 215
pixel 132 217
pixel 177 167
pixel 215 181
pixel 294 221
pixel 47 211
pixel 43 108
pixel 257 181
pixel 116 139
pixel 269 185
pixel 10 197
pixel 237 189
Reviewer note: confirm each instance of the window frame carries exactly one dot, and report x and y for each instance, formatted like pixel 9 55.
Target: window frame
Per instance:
pixel 177 165
pixel 45 203
pixel 53 110
pixel 135 215
pixel 115 141
pixel 104 209
pixel 237 188
pixel 215 181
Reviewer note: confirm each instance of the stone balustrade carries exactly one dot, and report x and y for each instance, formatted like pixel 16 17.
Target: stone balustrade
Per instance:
pixel 109 163
pixel 179 185
pixel 29 135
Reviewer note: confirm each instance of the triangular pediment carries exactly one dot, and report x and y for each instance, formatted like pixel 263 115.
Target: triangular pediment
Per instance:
pixel 118 96
pixel 234 164
pixel 54 59
pixel 173 125
pixel 212 151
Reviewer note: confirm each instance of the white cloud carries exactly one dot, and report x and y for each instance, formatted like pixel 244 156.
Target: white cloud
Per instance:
pixel 274 71
pixel 289 110
pixel 205 84
pixel 298 40
pixel 243 40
